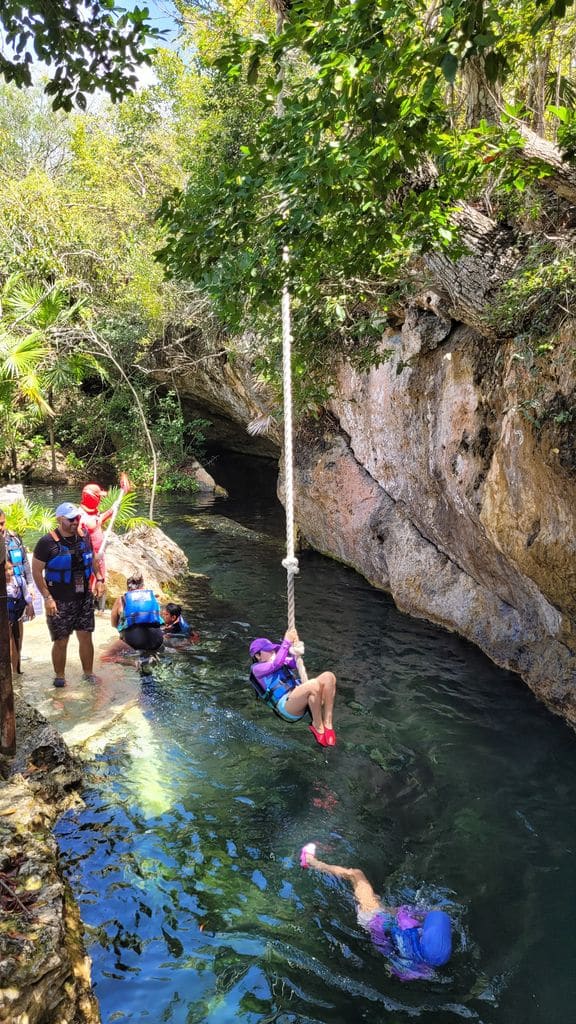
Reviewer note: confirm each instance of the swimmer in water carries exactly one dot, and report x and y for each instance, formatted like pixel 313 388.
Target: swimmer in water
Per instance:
pixel 413 940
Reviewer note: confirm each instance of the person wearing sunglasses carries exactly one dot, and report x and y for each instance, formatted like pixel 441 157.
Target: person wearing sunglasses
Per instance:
pixel 62 564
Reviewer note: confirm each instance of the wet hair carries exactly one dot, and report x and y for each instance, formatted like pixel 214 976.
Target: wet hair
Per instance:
pixel 174 609
pixel 135 582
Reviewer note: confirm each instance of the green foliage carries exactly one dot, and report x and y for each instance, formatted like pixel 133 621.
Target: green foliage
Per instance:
pixel 359 176
pixel 25 516
pixel 88 45
pixel 126 517
pixel 88 214
pixel 538 294
pixel 566 130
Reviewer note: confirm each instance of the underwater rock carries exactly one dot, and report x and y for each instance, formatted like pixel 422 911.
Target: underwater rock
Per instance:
pixel 220 524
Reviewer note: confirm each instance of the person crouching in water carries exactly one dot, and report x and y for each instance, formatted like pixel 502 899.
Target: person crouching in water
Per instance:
pixel 20 607
pixel 275 681
pixel 136 616
pixel 413 940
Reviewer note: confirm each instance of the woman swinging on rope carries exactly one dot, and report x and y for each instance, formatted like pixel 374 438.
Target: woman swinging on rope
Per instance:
pixel 274 676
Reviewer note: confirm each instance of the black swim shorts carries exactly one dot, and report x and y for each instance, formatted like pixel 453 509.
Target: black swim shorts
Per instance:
pixel 143 637
pixel 72 615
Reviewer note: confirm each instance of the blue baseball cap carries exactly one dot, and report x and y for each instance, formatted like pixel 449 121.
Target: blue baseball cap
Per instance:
pixel 67 510
pixel 262 644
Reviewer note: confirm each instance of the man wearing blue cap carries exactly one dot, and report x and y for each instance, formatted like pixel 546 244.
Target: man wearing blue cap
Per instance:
pixel 62 566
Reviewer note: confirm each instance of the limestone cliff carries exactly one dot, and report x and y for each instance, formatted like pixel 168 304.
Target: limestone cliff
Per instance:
pixel 446 476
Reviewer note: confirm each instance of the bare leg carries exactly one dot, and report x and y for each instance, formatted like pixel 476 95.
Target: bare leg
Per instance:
pixel 117 651
pixel 86 650
pixel 14 651
pixel 363 892
pixel 59 656
pixel 21 631
pixel 327 681
pixel 307 694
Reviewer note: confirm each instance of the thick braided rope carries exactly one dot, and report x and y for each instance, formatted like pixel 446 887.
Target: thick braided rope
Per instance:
pixel 290 563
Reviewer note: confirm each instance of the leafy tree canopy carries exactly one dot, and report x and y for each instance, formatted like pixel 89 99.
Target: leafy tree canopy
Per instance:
pixel 393 112
pixel 87 45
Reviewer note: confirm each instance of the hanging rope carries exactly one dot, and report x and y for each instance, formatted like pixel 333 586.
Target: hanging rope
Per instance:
pixel 290 563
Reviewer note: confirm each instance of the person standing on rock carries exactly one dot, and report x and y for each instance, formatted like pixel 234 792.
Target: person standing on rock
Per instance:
pixel 92 521
pixel 62 564
pixel 19 582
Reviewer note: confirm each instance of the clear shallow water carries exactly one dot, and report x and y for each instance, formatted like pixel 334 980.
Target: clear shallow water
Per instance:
pixel 449 783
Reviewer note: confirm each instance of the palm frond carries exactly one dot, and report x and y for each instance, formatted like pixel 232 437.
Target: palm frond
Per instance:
pixel 30 388
pixel 25 516
pixel 127 507
pixel 137 521
pixel 20 353
pixel 562 89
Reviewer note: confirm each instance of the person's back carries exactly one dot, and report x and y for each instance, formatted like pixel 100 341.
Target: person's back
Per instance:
pixel 137 617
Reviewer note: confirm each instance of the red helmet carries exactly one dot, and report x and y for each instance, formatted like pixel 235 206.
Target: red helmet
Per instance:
pixel 91 495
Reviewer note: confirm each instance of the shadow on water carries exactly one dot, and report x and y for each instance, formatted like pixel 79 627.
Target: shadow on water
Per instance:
pixel 450 785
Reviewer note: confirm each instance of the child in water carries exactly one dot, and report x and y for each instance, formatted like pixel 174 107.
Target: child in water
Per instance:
pixel 413 941
pixel 275 681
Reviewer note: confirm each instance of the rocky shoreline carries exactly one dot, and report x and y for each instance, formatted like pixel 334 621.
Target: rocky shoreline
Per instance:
pixel 44 970
pixel 45 973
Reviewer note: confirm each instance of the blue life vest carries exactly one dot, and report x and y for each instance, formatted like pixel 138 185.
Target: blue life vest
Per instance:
pixel 277 684
pixel 140 609
pixel 15 554
pixel 58 569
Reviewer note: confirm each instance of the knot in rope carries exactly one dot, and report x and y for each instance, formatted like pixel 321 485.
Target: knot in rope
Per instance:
pixel 290 563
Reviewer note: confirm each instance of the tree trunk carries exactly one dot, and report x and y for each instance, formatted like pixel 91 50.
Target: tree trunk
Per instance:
pixel 7 720
pixel 480 94
pixel 472 280
pixel 562 176
pixel 493 252
pixel 51 437
pixel 52 442
pixel 537 94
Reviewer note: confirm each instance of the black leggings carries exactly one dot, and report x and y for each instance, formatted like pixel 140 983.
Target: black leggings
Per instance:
pixel 142 637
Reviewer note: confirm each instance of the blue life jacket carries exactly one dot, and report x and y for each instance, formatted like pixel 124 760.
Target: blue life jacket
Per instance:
pixel 140 609
pixel 15 554
pixel 58 569
pixel 277 684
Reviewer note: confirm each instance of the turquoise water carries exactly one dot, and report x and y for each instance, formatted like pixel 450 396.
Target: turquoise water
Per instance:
pixel 449 784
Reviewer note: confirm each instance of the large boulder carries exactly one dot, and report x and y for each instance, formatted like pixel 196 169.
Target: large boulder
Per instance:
pixel 9 493
pixel 146 550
